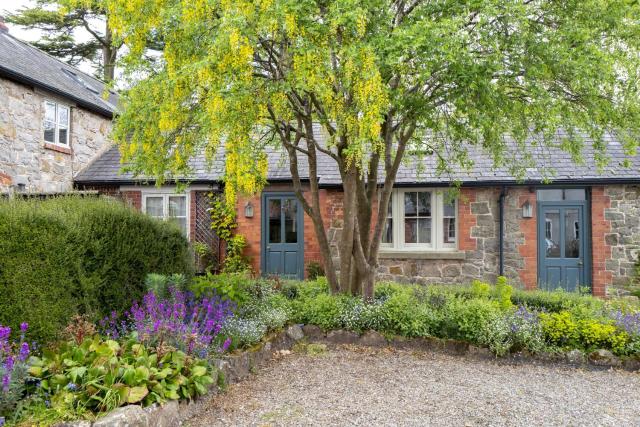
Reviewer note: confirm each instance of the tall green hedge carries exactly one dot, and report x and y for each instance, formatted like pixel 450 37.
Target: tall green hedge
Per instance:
pixel 69 255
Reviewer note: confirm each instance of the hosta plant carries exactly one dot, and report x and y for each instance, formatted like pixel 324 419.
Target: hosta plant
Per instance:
pixel 100 375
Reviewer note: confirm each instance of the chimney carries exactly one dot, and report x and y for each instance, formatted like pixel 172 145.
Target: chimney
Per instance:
pixel 3 26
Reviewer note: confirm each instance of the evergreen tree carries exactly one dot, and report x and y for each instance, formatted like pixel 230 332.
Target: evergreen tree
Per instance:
pixel 60 20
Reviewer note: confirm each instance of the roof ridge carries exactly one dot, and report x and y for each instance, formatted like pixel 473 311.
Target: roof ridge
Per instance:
pixel 32 47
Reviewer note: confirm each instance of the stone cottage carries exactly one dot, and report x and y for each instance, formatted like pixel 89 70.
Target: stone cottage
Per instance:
pixel 582 230
pixel 54 119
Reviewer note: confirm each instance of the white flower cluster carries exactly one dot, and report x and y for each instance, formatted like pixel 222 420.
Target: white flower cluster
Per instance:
pixel 244 332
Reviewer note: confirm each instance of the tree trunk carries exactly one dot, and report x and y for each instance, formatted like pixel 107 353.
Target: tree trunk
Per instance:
pixel 109 54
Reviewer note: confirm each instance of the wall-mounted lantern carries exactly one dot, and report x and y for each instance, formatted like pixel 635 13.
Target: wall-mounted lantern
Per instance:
pixel 248 210
pixel 527 210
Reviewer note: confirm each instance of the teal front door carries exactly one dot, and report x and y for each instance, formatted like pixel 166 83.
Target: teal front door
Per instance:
pixel 562 248
pixel 282 236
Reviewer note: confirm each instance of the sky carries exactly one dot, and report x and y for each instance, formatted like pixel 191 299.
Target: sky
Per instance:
pixel 11 6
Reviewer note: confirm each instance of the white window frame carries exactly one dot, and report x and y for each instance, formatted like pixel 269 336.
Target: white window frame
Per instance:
pixel 437 244
pixel 57 125
pixel 165 206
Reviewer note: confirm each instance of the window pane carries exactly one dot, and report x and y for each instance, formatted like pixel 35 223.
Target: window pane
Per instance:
pixel 154 206
pixel 177 206
pixel 571 233
pixel 411 230
pixel 449 209
pixel 63 116
pixel 62 136
pixel 275 227
pixel 50 112
pixel 387 232
pixel 424 204
pixel 575 194
pixel 410 204
pixel 552 233
pixel 554 194
pixel 290 221
pixel 449 230
pixel 49 132
pixel 424 230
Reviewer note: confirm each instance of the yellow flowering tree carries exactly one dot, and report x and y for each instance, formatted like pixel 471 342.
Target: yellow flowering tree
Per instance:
pixel 383 79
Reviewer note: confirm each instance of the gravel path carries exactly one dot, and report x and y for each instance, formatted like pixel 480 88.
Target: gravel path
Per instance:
pixel 357 386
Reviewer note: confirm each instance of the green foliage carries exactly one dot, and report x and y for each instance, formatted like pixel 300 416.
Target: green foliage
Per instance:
pixel 234 260
pixel 314 270
pixel 70 255
pixel 223 222
pixel 480 289
pixel 466 319
pixel 566 330
pixel 503 293
pixel 100 375
pixel 555 301
pixel 160 284
pixel 230 286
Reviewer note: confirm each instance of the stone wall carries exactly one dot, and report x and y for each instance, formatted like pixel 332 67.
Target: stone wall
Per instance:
pixel 622 239
pixel 23 152
pixel 478 246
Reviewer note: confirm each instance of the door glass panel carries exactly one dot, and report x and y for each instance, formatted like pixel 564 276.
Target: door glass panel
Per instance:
pixel 552 233
pixel 290 221
pixel 154 206
pixel 575 194
pixel 572 233
pixel 275 227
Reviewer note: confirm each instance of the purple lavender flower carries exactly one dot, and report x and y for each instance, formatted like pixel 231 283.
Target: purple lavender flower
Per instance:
pixel 181 320
pixel 6 379
pixel 630 322
pixel 24 326
pixel 24 352
pixel 2 421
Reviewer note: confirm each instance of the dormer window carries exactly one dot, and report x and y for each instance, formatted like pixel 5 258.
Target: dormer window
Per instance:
pixel 56 123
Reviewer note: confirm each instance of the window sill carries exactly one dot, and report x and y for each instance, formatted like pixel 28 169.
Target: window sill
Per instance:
pixel 409 254
pixel 58 148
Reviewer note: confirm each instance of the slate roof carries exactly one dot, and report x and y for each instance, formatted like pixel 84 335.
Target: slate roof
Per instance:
pixel 24 63
pixel 548 163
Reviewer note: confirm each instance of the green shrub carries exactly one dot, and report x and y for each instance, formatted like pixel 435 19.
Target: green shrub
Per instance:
pixel 314 270
pixel 556 301
pixel 566 330
pixel 69 255
pixel 231 286
pixel 466 319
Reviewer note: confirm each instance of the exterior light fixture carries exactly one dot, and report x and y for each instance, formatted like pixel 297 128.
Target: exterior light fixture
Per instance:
pixel 527 210
pixel 248 210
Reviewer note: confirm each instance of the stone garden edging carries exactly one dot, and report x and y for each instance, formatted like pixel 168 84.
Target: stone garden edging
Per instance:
pixel 602 359
pixel 237 366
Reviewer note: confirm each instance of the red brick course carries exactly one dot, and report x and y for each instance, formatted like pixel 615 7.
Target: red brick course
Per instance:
pixel 466 220
pixel 529 249
pixel 133 198
pixel 601 252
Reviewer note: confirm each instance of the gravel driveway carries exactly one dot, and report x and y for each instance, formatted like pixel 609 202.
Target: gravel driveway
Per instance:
pixel 358 386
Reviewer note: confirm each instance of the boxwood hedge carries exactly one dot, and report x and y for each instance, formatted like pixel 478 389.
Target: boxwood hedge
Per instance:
pixel 68 255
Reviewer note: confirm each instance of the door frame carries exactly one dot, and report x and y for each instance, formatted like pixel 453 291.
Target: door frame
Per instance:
pixel 586 241
pixel 263 230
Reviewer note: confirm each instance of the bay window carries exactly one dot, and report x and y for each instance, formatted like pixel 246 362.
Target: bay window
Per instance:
pixel 420 220
pixel 168 207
